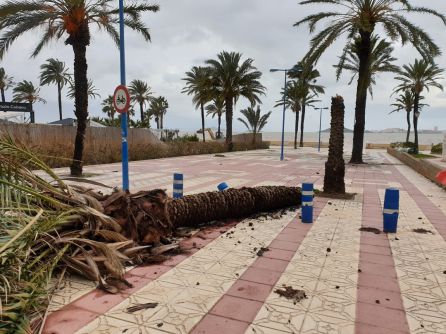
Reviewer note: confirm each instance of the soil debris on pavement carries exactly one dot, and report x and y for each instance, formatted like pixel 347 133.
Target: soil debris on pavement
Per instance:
pixel 220 156
pixel 292 294
pixel 139 307
pixel 261 251
pixel 422 231
pixel 370 229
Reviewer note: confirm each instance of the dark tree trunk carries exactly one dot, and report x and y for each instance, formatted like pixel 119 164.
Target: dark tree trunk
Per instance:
pixel 141 110
pixel 229 109
pixel 408 127
pixel 302 122
pixel 3 95
pixel 162 121
pixel 219 127
pixel 202 122
pixel 79 44
pixel 416 105
pixel 31 114
pixel 335 165
pixel 59 99
pixel 296 129
pixel 361 97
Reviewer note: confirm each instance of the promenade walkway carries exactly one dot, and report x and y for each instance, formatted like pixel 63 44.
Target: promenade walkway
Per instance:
pixel 355 281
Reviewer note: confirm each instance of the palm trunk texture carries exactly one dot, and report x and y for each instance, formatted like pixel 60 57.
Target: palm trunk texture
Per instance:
pixel 408 127
pixel 79 44
pixel 202 122
pixel 3 95
pixel 59 99
pixel 219 127
pixel 302 123
pixel 229 109
pixel 141 111
pixel 335 165
pixel 296 130
pixel 361 98
pixel 416 106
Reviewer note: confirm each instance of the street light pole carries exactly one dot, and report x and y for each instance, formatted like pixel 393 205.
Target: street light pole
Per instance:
pixel 296 69
pixel 320 125
pixel 124 125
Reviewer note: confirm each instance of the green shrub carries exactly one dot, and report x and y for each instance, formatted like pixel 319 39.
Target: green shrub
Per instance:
pixel 402 145
pixel 437 149
pixel 192 138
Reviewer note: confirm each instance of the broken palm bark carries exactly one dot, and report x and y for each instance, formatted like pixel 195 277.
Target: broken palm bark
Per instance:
pixel 335 165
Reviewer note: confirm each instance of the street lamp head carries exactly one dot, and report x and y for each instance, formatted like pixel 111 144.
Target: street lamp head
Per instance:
pixel 274 70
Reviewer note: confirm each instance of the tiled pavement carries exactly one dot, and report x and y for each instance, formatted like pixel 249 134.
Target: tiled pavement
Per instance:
pixel 355 281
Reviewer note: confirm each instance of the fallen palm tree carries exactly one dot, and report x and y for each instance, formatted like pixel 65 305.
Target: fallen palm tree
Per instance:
pixel 47 226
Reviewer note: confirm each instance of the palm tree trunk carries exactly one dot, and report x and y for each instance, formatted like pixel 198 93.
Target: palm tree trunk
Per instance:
pixel 219 126
pixel 162 121
pixel 59 99
pixel 302 123
pixel 79 44
pixel 229 109
pixel 408 127
pixel 415 120
pixel 361 98
pixel 141 111
pixel 202 121
pixel 3 95
pixel 296 129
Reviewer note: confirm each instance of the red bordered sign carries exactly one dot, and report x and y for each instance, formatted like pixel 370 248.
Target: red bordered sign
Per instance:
pixel 121 99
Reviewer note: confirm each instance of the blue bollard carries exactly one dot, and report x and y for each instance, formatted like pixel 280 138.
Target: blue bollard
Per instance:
pixel 222 186
pixel 307 203
pixel 391 210
pixel 178 185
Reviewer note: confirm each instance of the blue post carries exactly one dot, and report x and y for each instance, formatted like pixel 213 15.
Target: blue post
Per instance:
pixel 222 186
pixel 391 210
pixel 307 203
pixel 125 155
pixel 320 126
pixel 283 119
pixel 178 180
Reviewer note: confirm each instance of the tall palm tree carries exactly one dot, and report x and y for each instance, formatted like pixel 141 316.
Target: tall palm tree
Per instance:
pixel 405 101
pixel 70 19
pixel 254 122
pixel 417 77
pixel 199 85
pixel 158 108
pixel 233 79
pixel 217 108
pixel 26 92
pixel 6 82
pixel 381 61
pixel 361 18
pixel 54 71
pixel 108 107
pixel 140 92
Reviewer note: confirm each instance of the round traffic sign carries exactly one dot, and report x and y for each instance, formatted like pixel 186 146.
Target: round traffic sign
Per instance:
pixel 121 99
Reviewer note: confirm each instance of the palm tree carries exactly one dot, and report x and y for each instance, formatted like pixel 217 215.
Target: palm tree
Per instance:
pixel 381 61
pixel 361 18
pixel 54 71
pixel 108 107
pixel 92 91
pixel 254 122
pixel 140 93
pixel 158 108
pixel 233 79
pixel 72 18
pixel 416 77
pixel 217 108
pixel 6 82
pixel 199 84
pixel 26 92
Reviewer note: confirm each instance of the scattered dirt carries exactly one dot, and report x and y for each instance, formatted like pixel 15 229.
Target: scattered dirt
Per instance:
pixel 370 229
pixel 139 307
pixel 346 196
pixel 261 251
pixel 422 231
pixel 220 156
pixel 328 250
pixel 377 301
pixel 292 294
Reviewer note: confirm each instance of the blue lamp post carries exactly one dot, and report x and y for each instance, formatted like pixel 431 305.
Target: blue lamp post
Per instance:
pixel 320 124
pixel 124 125
pixel 295 69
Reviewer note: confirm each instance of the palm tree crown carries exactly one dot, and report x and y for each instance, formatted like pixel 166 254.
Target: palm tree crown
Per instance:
pixel 381 61
pixel 233 79
pixel 6 82
pixel 108 107
pixel 254 122
pixel 158 108
pixel 55 72
pixel 25 91
pixel 140 92
pixel 92 91
pixel 217 108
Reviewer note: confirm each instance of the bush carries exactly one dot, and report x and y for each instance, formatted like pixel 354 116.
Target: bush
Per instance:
pixel 190 138
pixel 437 149
pixel 402 145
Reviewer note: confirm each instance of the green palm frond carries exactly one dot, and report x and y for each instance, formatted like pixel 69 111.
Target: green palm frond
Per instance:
pixel 92 90
pixel 140 92
pixel 54 71
pixel 25 91
pixel 254 121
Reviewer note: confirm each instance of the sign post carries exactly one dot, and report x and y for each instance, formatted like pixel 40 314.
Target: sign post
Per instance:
pixel 124 125
pixel 18 107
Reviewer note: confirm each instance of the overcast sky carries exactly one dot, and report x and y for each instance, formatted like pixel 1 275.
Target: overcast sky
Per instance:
pixel 187 32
